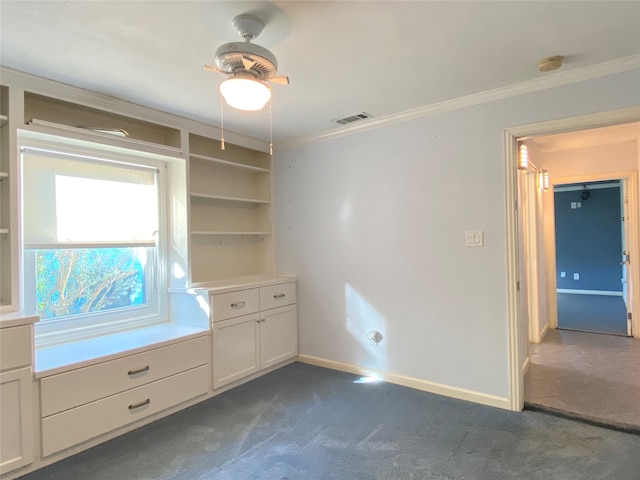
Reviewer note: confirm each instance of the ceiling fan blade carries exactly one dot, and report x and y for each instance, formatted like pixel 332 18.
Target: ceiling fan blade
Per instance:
pixel 282 80
pixel 211 68
pixel 247 62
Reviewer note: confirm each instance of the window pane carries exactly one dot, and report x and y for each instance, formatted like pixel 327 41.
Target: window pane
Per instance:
pixel 89 280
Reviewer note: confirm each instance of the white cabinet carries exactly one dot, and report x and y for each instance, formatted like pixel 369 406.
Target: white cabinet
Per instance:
pixel 16 419
pixel 278 335
pixel 246 344
pixel 71 427
pixel 236 349
pixel 16 397
pixel 90 401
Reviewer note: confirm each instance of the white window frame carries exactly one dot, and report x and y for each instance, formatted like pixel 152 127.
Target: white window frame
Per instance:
pixel 77 327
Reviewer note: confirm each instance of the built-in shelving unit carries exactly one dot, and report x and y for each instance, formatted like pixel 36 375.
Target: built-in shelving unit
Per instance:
pixel 47 111
pixel 7 266
pixel 227 232
pixel 229 211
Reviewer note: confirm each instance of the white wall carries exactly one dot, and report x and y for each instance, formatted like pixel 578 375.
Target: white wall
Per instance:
pixel 373 226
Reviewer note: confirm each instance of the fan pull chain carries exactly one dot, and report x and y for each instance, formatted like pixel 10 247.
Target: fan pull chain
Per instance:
pixel 270 129
pixel 221 123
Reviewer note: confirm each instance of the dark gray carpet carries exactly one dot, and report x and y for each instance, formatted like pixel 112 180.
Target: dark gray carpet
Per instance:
pixel 305 423
pixel 592 313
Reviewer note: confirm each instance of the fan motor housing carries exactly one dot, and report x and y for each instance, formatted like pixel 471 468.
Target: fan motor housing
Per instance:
pixel 229 58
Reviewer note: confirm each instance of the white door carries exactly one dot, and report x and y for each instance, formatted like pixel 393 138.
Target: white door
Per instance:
pixel 278 335
pixel 236 349
pixel 626 256
pixel 523 300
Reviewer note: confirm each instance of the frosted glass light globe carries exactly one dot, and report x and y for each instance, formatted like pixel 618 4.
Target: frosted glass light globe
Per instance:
pixel 245 93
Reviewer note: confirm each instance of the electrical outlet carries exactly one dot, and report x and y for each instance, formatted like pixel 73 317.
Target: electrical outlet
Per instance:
pixel 579 205
pixel 573 205
pixel 563 274
pixel 576 276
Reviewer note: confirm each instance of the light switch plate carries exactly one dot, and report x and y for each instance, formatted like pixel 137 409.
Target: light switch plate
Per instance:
pixel 474 238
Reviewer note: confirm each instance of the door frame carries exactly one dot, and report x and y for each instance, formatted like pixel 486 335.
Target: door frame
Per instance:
pixel 511 137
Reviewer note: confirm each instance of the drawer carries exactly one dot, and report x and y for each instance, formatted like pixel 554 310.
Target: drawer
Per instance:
pixel 77 425
pixel 277 295
pixel 16 347
pixel 83 385
pixel 235 304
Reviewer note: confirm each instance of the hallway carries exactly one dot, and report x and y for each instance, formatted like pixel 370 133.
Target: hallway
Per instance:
pixel 590 375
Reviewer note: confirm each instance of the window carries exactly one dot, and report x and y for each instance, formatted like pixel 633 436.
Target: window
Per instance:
pixel 91 241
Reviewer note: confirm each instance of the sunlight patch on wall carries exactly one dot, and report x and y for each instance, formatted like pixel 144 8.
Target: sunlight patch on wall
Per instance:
pixel 367 326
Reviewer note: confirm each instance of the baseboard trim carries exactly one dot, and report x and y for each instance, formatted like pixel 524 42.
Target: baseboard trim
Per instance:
pixel 411 382
pixel 589 292
pixel 545 330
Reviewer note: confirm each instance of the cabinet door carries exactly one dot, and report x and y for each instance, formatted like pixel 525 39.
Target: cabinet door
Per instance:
pixel 236 349
pixel 278 335
pixel 16 419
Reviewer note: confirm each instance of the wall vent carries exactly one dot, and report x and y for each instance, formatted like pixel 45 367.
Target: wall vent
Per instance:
pixel 352 118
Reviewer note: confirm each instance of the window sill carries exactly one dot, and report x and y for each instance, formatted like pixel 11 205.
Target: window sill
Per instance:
pixel 69 356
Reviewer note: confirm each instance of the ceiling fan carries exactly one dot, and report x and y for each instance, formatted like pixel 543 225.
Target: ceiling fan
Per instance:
pixel 249 66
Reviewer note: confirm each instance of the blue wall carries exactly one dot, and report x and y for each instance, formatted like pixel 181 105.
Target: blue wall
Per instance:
pixel 589 240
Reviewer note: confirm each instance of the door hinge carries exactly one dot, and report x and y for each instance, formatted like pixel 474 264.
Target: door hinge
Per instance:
pixel 629 316
pixel 518 285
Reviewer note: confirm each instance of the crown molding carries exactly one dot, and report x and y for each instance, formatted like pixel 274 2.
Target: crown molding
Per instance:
pixel 558 79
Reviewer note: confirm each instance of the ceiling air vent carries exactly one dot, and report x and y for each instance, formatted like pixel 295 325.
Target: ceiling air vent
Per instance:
pixel 352 118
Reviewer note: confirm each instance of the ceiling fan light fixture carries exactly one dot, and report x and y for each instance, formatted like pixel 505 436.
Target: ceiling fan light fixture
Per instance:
pixel 243 93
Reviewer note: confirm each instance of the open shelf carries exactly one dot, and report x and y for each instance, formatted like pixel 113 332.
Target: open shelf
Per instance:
pixel 209 149
pixel 229 199
pixel 3 175
pixel 72 115
pixel 3 120
pixel 218 232
pixel 4 231
pixel 226 256
pixel 230 165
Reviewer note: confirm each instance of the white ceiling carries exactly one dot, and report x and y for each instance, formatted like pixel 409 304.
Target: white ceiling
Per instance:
pixel 380 57
pixel 595 137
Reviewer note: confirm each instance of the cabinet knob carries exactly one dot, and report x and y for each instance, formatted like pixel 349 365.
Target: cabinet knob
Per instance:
pixel 238 305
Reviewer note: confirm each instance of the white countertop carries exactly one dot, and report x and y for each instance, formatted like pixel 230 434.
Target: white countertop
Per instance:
pixel 16 319
pixel 69 356
pixel 228 285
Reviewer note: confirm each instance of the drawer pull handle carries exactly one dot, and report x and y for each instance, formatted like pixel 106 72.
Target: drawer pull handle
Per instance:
pixel 133 406
pixel 238 305
pixel 279 295
pixel 139 370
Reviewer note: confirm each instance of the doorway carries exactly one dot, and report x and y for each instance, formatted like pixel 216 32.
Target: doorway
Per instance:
pixel 546 284
pixel 591 259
